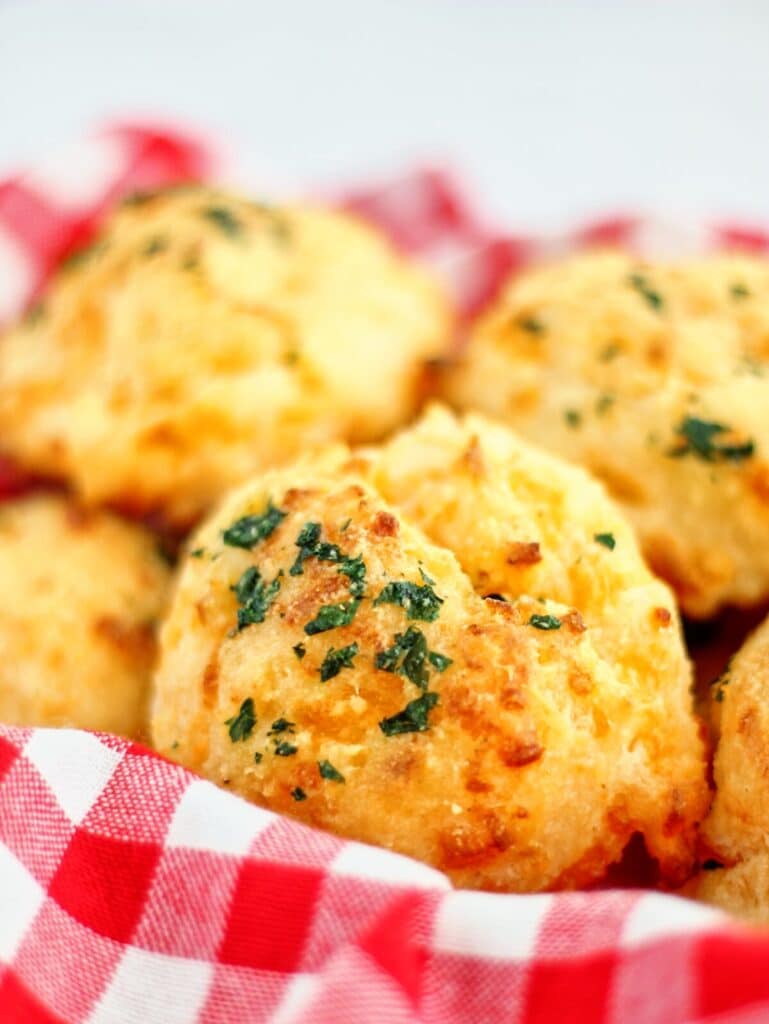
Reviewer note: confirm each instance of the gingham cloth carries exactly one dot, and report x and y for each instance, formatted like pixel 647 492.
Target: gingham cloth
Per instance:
pixel 132 891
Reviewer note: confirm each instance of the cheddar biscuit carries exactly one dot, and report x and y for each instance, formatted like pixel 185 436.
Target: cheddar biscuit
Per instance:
pixel 655 377
pixel 332 652
pixel 80 595
pixel 204 337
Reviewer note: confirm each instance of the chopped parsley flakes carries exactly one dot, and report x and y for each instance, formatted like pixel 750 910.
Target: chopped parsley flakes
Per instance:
pixel 242 725
pixel 249 530
pixel 331 616
pixel 254 597
pixel 298 794
pixel 419 602
pixel 531 325
pixel 328 771
pixel 642 286
pixel 408 656
pixel 573 417
pixel 413 718
pixel 545 622
pixel 258 757
pixel 603 404
pixel 335 661
pixel 700 438
pixel 281 725
pixel 355 571
pixel 154 245
pixel 607 539
pixel 311 546
pixel 227 222
pixel 739 290
pixel 285 749
pixel 299 650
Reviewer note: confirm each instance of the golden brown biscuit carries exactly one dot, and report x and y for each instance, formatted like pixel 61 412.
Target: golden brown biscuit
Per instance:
pixel 656 378
pixel 80 593
pixel 204 337
pixel 736 874
pixel 325 657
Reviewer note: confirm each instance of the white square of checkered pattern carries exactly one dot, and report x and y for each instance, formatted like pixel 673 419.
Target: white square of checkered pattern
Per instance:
pixel 76 767
pixel 207 819
pixel 152 987
pixel 73 177
pixel 22 897
pixel 16 275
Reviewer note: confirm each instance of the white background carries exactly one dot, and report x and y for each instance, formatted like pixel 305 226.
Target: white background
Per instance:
pixel 553 110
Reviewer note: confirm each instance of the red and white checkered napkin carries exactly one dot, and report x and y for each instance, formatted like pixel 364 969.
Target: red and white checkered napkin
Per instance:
pixel 132 892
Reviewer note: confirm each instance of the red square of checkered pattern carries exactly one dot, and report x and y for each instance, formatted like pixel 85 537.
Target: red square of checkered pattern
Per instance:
pixel 139 799
pixel 8 754
pixel 20 1006
pixel 65 963
pixel 188 903
pixel 104 882
pixel 271 915
pixel 732 970
pixel 32 823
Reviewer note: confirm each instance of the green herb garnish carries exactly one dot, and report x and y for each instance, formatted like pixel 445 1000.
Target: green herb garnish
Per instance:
pixel 439 661
pixel 254 597
pixel 408 656
pixel 154 245
pixel 281 725
pixel 413 718
pixel 355 571
pixel 335 661
pixel 197 552
pixel 603 404
pixel 299 650
pixel 258 757
pixel 298 794
pixel 332 616
pixel 311 546
pixel 227 222
pixel 545 622
pixel 531 324
pixel 328 771
pixel 242 725
pixel 247 531
pixel 699 437
pixel 739 290
pixel 285 749
pixel 609 352
pixel 642 286
pixel 573 417
pixel 419 602
pixel 607 539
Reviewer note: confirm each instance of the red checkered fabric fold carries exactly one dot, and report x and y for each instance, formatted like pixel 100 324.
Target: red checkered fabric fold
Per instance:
pixel 132 891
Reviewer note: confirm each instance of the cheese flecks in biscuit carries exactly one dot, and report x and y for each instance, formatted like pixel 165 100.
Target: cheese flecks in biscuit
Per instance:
pixel 204 337
pixel 331 654
pixel 80 594
pixel 736 870
pixel 656 378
